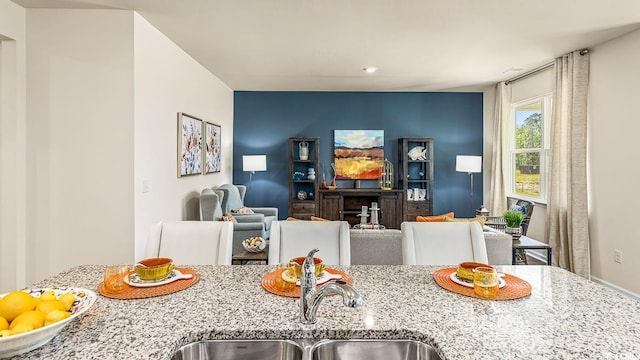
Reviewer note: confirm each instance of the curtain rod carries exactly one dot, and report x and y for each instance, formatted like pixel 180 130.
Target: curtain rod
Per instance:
pixel 539 69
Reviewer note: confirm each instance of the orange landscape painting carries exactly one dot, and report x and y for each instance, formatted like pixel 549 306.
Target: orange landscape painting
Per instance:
pixel 358 154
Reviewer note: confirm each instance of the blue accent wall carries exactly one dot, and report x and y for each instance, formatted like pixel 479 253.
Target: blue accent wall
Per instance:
pixel 264 121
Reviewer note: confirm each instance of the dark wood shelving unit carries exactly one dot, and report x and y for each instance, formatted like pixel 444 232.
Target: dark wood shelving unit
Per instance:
pixel 304 209
pixel 416 174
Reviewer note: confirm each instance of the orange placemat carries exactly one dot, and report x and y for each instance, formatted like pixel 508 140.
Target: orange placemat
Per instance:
pixel 133 292
pixel 269 283
pixel 515 287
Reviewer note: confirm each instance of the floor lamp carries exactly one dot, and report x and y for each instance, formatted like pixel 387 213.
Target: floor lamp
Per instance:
pixel 253 163
pixel 469 164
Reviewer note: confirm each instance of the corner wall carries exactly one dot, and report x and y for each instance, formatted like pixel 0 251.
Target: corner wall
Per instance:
pixel 613 166
pixel 13 219
pixel 80 138
pixel 168 81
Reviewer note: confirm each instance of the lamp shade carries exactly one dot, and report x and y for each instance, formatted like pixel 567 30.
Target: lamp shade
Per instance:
pixel 254 162
pixel 468 163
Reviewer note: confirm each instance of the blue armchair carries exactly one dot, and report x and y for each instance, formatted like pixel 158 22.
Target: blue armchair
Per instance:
pixel 233 199
pixel 246 227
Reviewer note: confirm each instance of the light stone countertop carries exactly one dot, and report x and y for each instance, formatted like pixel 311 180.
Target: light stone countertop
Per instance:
pixel 566 317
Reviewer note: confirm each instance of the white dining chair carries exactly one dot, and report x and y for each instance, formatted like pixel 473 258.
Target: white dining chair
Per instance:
pixel 442 243
pixel 192 242
pixel 290 239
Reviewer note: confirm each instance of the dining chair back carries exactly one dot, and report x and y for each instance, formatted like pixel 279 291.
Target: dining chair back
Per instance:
pixel 290 239
pixel 191 242
pixel 442 243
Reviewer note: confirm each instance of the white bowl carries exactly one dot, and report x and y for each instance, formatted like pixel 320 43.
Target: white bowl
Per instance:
pixel 256 247
pixel 21 343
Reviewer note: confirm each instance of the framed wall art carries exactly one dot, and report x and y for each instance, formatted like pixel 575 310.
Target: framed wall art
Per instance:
pixel 358 154
pixel 189 145
pixel 212 146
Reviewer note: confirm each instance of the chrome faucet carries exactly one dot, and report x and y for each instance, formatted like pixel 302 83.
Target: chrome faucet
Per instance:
pixel 310 297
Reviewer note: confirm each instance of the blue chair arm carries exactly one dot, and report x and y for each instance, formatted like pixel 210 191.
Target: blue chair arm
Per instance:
pixel 266 211
pixel 249 218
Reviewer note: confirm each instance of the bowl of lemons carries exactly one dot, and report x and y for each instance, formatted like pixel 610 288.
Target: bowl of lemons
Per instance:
pixel 31 318
pixel 254 244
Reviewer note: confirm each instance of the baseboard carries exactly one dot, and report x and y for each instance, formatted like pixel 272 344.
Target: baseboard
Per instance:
pixel 616 288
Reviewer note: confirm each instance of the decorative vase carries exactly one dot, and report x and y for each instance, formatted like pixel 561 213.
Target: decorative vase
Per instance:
pixel 303 150
pixel 515 232
pixel 311 174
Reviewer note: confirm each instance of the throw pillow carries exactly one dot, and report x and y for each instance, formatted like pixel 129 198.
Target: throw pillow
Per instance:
pixel 479 219
pixel 315 218
pixel 228 217
pixel 292 219
pixel 242 210
pixel 435 218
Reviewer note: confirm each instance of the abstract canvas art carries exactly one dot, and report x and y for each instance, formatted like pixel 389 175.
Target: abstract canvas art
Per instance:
pixel 189 145
pixel 358 154
pixel 212 147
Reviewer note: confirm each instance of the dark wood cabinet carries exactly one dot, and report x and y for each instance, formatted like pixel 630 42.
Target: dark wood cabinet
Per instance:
pixel 303 186
pixel 346 204
pixel 415 176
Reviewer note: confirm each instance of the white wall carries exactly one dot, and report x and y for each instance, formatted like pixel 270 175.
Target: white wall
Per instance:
pixel 168 81
pixel 80 126
pixel 614 170
pixel 12 147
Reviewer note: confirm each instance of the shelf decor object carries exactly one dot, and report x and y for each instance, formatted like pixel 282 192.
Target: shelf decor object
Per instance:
pixel 386 175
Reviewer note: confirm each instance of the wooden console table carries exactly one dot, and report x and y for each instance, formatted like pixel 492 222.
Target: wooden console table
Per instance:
pixel 346 204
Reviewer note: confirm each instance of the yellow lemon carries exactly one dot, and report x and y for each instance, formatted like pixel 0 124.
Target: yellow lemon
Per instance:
pixel 67 299
pixel 34 318
pixel 55 316
pixel 5 333
pixel 47 305
pixel 21 328
pixel 4 324
pixel 48 295
pixel 15 303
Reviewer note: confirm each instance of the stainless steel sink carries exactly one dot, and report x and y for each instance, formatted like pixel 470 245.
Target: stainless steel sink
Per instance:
pixel 240 350
pixel 372 350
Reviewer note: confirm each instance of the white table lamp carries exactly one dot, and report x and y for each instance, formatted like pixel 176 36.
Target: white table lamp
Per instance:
pixel 469 164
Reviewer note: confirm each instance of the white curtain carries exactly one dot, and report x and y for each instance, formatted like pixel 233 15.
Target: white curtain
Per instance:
pixel 567 219
pixel 500 163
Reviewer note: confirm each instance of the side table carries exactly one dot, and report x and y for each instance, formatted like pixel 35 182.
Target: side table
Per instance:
pixel 525 242
pixel 243 257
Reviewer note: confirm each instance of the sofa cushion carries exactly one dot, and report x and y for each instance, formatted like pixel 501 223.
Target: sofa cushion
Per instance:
pixel 435 218
pixel 479 219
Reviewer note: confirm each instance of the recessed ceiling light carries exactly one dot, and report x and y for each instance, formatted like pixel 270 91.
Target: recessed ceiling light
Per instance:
pixel 370 69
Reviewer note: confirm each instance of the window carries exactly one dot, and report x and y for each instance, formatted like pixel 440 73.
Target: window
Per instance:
pixel 530 141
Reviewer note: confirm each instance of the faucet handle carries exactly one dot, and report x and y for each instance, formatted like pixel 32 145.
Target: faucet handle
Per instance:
pixel 308 266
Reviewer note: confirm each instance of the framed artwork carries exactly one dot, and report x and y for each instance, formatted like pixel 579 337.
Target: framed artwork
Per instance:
pixel 189 145
pixel 211 148
pixel 358 154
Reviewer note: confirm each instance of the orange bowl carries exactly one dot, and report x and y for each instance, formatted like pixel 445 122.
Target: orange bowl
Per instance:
pixel 154 268
pixel 295 266
pixel 465 270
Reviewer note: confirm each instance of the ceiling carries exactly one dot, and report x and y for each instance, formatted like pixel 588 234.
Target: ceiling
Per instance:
pixel 417 45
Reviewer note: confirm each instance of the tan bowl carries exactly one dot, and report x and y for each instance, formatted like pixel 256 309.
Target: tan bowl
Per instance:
pixel 465 270
pixel 295 266
pixel 154 268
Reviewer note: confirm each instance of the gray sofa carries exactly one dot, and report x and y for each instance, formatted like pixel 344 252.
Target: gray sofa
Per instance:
pixel 384 247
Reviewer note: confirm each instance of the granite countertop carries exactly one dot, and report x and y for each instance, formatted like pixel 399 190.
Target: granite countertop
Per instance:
pixel 565 317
